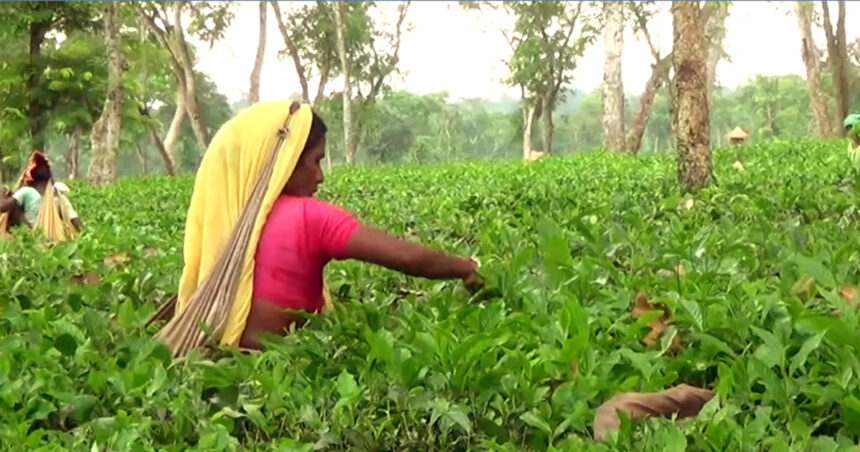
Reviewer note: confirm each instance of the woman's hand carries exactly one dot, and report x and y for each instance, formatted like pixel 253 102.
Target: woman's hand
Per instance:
pixel 7 202
pixel 473 281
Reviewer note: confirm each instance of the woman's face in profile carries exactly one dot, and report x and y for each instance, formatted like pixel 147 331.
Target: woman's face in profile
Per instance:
pixel 308 174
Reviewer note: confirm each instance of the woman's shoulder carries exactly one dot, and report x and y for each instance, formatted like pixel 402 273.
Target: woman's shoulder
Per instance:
pixel 301 201
pixel 26 192
pixel 314 206
pixel 26 189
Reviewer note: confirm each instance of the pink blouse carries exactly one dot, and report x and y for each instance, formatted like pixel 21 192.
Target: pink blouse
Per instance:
pixel 300 236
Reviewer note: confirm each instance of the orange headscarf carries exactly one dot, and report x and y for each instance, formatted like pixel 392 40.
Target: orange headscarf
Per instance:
pixel 38 159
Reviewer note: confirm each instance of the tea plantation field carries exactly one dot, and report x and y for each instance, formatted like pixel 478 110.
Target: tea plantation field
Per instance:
pixel 758 273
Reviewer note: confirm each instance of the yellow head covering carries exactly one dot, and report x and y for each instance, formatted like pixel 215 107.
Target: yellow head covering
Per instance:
pixel 225 180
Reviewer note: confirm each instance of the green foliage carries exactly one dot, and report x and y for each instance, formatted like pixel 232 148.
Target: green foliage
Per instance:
pixel 412 364
pixel 28 91
pixel 71 83
pixel 548 39
pixel 775 106
pixel 310 29
pixel 209 20
pixel 67 17
pixel 77 79
pixel 406 127
pixel 372 47
pixel 217 111
pixel 39 71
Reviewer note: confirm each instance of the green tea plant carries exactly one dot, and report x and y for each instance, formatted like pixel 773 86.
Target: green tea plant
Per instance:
pixel 756 272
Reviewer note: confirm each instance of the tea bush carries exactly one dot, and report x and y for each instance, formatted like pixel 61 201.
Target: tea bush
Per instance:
pixel 757 272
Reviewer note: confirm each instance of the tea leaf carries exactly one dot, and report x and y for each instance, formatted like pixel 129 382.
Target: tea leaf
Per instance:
pixel 815 269
pixel 534 420
pixel 346 385
pixel 808 347
pixel 595 269
pixel 66 344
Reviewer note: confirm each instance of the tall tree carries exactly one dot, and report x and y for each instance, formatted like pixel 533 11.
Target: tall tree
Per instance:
pixel 209 21
pixel 547 40
pixel 106 130
pixel 693 123
pixel 33 21
pixel 529 105
pixel 76 79
pixel 36 107
pixel 715 32
pixel 348 137
pixel 613 87
pixel 73 166
pixel 151 70
pixel 254 91
pixel 770 106
pixel 712 16
pixel 641 12
pixel 811 59
pixel 837 54
pixel 308 32
pixel 156 19
pixel 369 51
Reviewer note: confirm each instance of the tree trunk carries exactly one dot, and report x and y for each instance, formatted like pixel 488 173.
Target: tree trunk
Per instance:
pixel 837 53
pixel 318 99
pixel 842 47
pixel 348 133
pixel 175 130
pixel 693 140
pixel 183 70
pixel 529 112
pixel 659 73
pixel 546 107
pixel 36 108
pixel 715 32
pixel 195 113
pixel 73 153
pixel 254 92
pixel 141 159
pixel 811 59
pixel 770 120
pixel 106 130
pixel 671 94
pixel 318 103
pixel 294 51
pixel 166 157
pixel 613 88
pixel 192 104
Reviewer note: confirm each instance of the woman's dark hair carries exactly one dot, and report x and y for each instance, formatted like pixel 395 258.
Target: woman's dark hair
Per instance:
pixel 38 169
pixel 41 173
pixel 317 133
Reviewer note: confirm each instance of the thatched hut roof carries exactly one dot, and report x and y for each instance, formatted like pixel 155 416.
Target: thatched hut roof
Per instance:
pixel 738 134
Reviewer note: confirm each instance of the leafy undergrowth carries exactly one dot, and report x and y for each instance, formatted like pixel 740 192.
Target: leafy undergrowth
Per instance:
pixel 750 282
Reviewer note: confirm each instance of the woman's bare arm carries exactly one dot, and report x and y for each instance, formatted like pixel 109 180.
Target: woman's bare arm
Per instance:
pixel 7 204
pixel 377 247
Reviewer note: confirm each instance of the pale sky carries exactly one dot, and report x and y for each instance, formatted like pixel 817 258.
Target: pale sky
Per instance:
pixel 463 53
